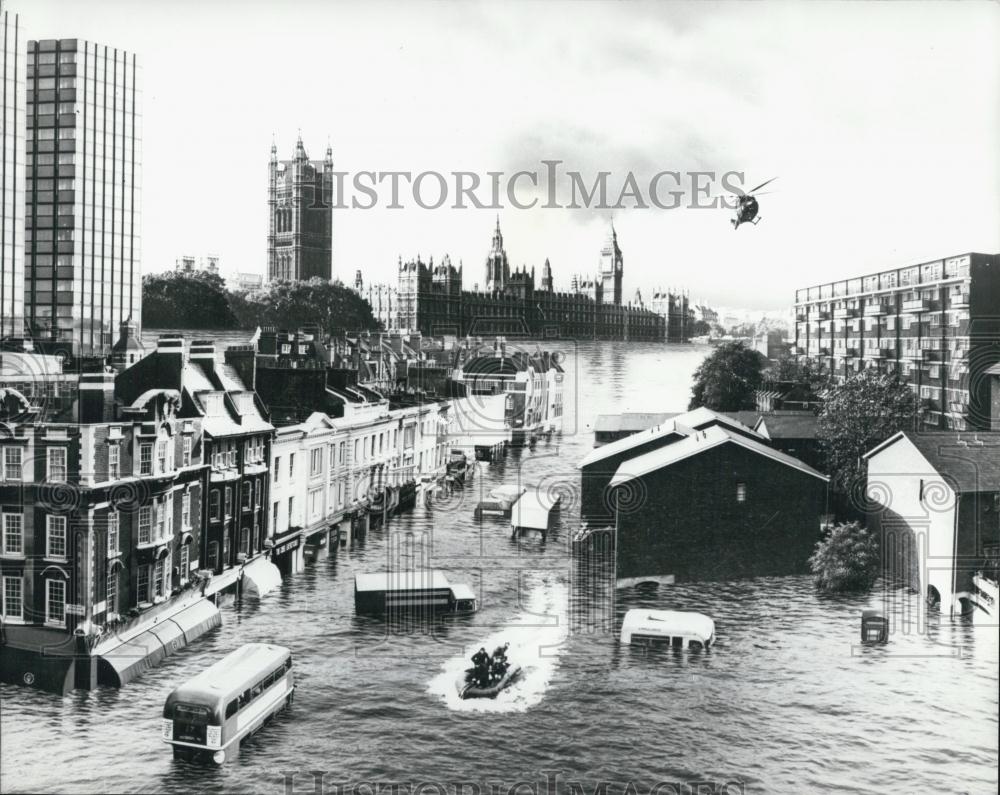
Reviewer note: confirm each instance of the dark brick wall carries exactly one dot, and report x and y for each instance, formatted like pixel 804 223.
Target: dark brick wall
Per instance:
pixel 688 522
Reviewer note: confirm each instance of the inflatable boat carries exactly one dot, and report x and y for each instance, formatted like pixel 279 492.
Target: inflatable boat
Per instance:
pixel 467 687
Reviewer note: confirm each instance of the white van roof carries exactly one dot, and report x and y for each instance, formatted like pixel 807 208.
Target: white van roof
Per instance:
pixel 667 623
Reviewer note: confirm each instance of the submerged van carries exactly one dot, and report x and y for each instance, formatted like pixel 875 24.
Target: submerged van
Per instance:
pixel 675 628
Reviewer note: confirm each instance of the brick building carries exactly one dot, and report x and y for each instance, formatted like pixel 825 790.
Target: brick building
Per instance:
pixel 237 443
pixel 102 501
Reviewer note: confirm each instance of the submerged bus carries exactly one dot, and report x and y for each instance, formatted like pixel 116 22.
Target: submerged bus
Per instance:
pixel 207 717
pixel 391 593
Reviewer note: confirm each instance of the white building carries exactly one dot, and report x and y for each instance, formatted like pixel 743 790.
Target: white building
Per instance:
pixel 937 499
pixel 343 473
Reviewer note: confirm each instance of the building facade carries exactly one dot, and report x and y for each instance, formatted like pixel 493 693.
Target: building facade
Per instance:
pixel 700 496
pixel 83 273
pixel 188 263
pixel 237 444
pixel 431 299
pixel 716 505
pixel 935 499
pixel 12 121
pixel 300 206
pixel 934 324
pixel 611 270
pixel 102 505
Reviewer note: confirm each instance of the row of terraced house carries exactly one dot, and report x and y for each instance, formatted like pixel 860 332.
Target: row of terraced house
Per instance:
pixel 130 495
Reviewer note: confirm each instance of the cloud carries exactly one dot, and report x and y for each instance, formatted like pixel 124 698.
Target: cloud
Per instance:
pixel 880 119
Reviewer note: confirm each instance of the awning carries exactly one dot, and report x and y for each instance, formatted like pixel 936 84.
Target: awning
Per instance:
pixel 133 657
pixel 260 577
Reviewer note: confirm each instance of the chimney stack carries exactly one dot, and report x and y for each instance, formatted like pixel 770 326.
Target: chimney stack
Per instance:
pixel 203 352
pixel 97 397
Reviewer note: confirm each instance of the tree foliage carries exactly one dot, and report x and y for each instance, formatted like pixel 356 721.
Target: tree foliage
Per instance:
pixel 803 374
pixel 201 300
pixel 846 560
pixel 186 300
pixel 700 328
pixel 728 378
pixel 286 304
pixel 859 414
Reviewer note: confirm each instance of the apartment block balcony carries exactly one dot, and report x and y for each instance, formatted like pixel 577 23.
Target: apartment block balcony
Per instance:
pixel 853 351
pixel 958 407
pixel 934 355
pixel 822 314
pixel 912 353
pixel 823 350
pixel 887 352
pixel 844 313
pixel 960 301
pixel 876 308
pixel 918 305
pixel 801 314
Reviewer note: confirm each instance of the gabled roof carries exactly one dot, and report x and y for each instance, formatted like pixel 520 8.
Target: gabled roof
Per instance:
pixel 696 444
pixel 630 421
pixel 681 425
pixel 788 426
pixel 969 460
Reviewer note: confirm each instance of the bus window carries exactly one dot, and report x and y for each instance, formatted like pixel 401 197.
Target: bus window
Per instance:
pixel 190 723
pixel 231 708
pixel 288 664
pixel 257 690
pixel 245 698
pixel 678 642
pixel 694 644
pixel 278 675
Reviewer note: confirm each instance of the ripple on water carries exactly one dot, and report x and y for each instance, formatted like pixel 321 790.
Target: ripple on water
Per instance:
pixel 785 702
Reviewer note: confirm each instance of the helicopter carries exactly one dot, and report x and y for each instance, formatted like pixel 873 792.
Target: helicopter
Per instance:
pixel 746 208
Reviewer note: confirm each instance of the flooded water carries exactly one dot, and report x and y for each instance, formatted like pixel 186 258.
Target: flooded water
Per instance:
pixel 787 701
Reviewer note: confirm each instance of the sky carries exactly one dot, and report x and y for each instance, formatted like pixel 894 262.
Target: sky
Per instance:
pixel 880 121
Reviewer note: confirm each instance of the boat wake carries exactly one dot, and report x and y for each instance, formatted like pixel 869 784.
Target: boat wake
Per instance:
pixel 536 636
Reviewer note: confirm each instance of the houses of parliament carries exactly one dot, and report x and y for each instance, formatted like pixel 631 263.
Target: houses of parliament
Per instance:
pixel 430 298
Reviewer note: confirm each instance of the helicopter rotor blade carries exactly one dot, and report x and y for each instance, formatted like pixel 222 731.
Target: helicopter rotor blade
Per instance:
pixel 772 179
pixel 765 192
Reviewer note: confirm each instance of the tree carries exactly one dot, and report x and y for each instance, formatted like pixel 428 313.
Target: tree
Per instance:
pixel 292 304
pixel 846 560
pixel 186 300
pixel 728 378
pixel 803 374
pixel 700 328
pixel 859 414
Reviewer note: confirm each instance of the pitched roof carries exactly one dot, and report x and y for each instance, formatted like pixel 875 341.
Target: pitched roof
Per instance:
pixel 969 460
pixel 748 418
pixel 630 421
pixel 788 426
pixel 681 425
pixel 695 445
